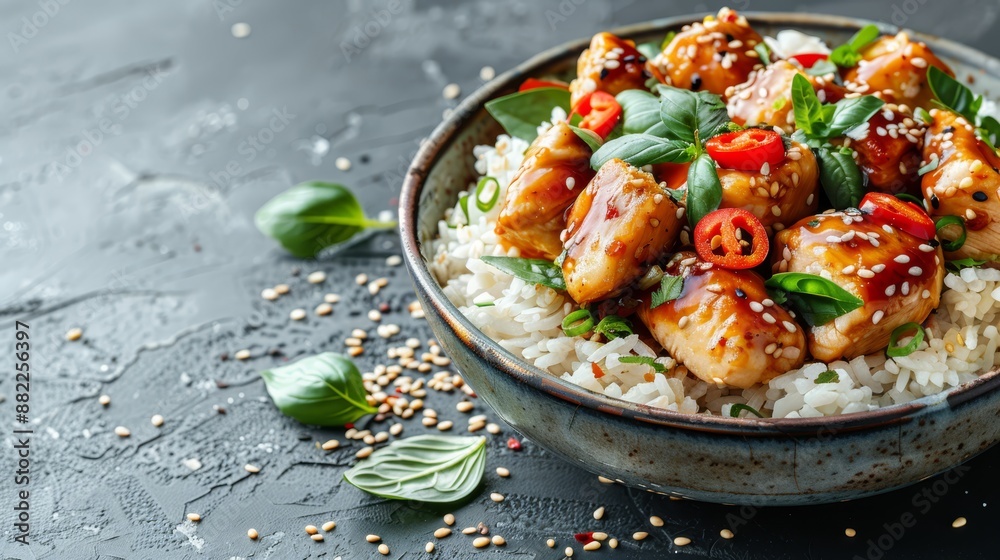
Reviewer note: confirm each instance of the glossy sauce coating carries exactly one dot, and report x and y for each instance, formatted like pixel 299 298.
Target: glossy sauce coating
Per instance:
pixel 897 276
pixel 965 183
pixel 897 67
pixel 890 153
pixel 555 170
pixel 611 65
pixel 723 327
pixel 766 97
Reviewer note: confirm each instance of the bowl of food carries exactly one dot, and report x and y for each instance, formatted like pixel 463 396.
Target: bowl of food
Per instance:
pixel 741 258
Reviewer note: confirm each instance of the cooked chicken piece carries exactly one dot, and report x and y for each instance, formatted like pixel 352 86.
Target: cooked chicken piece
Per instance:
pixel 711 55
pixel 784 195
pixel 723 327
pixel 896 275
pixel 611 65
pixel 555 169
pixel 622 223
pixel 966 183
pixel 766 98
pixel 890 153
pixel 897 67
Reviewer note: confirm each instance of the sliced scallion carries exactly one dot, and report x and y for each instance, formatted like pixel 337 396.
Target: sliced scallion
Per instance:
pixel 487 193
pixel 946 221
pixel 894 351
pixel 463 203
pixel 578 322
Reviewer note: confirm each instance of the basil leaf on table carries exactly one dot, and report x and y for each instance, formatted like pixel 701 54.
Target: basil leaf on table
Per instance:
pixel 325 390
pixel 689 114
pixel 670 289
pixel 816 299
pixel 704 191
pixel 849 54
pixel 536 271
pixel 613 327
pixel 641 149
pixel 521 113
pixel 640 110
pixel 312 216
pixel 429 468
pixel 841 178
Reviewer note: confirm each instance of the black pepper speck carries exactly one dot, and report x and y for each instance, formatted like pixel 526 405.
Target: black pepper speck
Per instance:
pixel 979 196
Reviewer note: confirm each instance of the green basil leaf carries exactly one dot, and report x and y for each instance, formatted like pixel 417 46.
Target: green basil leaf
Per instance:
pixel 827 376
pixel 737 408
pixel 989 131
pixel 325 390
pixel 704 191
pixel 428 468
pixel 851 113
pixel 764 52
pixel 640 110
pixel 953 94
pixel 842 180
pixel 816 299
pixel 648 50
pixel 589 137
pixel 686 112
pixel 669 290
pixel 310 217
pixel 849 54
pixel 535 271
pixel 806 106
pixel 613 327
pixel 645 360
pixel 667 40
pixel 521 113
pixel 957 265
pixel 641 149
pixel 822 68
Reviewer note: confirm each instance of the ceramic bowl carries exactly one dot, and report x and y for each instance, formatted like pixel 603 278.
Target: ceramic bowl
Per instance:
pixel 709 458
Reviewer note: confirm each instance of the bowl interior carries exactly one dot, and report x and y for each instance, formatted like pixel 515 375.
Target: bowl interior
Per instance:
pixel 444 167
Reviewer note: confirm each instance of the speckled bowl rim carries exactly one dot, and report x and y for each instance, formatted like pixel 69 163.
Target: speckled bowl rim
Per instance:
pixel 496 357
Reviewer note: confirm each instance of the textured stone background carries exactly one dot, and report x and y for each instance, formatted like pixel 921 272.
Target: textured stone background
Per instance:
pixel 146 241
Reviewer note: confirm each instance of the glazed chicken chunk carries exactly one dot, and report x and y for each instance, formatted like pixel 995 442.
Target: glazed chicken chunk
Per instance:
pixel 782 195
pixel 966 183
pixel 555 170
pixel 766 97
pixel 723 327
pixel 897 276
pixel 611 65
pixel 897 67
pixel 710 56
pixel 889 155
pixel 621 224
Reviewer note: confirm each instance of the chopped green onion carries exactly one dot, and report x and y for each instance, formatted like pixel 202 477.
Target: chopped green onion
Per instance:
pixel 645 360
pixel 910 198
pixel 894 351
pixel 486 304
pixel 946 221
pixel 578 322
pixel 735 410
pixel 828 376
pixel 651 278
pixel 463 203
pixel 931 166
pixel 483 187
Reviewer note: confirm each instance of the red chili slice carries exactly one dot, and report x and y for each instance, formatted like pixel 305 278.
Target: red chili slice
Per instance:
pixel 535 83
pixel 731 238
pixel 513 444
pixel 904 215
pixel 808 60
pixel 747 150
pixel 600 112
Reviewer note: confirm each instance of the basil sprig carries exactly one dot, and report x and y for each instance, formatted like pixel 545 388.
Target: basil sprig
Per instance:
pixel 535 271
pixel 672 129
pixel 849 54
pixel 325 390
pixel 816 299
pixel 955 96
pixel 429 468
pixel 817 123
pixel 312 216
pixel 520 113
pixel 669 290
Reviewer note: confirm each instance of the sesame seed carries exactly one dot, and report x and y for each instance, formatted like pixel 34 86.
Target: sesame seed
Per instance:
pixel 599 513
pixel 282 289
pixel 959 522
pixel 323 309
pixel 756 306
pixel 193 517
pixel 503 472
pixel 878 316
pixel 252 533
pixel 656 521
pixel 965 183
pixel 639 535
pixel 383 549
pixel 252 469
pixel 865 273
pixel 683 322
pixel 364 452
pixel 329 526
pixel 497 497
pixel 451 91
pixel 311 530
pixel 446 425
pixel 789 326
pixel 157 420
pixel 726 534
pixel 765 169
pixel 465 406
pixel 925 294
pixel 592 546
pixel 331 298
pixel 342 163
pixel 918 62
pixel 682 541
pixel 74 334
pixel 330 445
pixel 970 214
pixel 849 269
pixel 905 289
pixel 361 279
pixel 104 400
pixel 481 542
pixel 317 277
pixel 449 519
pixel 926 248
pixel 878 268
pixel 850 532
pixel 269 294
pixel 297 314
pixel 122 431
pixel 469 531
pixel 486 73
pixel 498 540
pixel 568 552
pixel 769 318
pixel 373 538
pixel 551 543
pixel 317 537
pixel 902 259
pixel 915 271
pixel 429 547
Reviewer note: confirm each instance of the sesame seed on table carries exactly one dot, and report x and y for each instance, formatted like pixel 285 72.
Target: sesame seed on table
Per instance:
pixel 147 283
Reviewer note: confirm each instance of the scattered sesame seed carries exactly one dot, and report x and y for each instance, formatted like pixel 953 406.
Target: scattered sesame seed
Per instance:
pixel 498 540
pixel 486 73
pixel 551 543
pixel 599 536
pixel 452 91
pixel 282 289
pixel 604 480
pixel 317 537
pixel 449 519
pixel 331 298
pixel 74 334
pixel 465 406
pixel 469 531
pixel 877 317
pixel 317 277
pixel 850 532
pixel 269 294
pixel 429 547
pixel 342 163
pixel 503 472
pixel 656 521
pixel 311 530
pixel 639 535
pixel 599 513
pixel 240 30
pixel 442 533
pixel 756 306
pixel 364 452
pixel 330 445
pixel 682 541
pixel 374 316
pixel 252 533
pixel 329 526
pixel 104 400
pixel 361 279
pixel 373 538
pixel 568 552
pixel 193 517
pixel 493 428
pixel 958 523
pixel 383 549
pixel 726 534
pixel 323 309
pixel 592 546
pixel 122 431
pixel 297 314
pixel 252 469
pixel 481 542
pixel 446 425
pixel 497 497
pixel 157 420
pixel 916 271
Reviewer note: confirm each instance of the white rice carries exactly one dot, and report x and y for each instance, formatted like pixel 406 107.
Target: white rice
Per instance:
pixel 961 343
